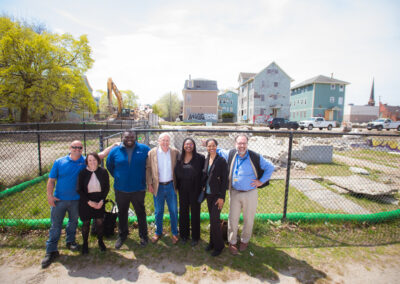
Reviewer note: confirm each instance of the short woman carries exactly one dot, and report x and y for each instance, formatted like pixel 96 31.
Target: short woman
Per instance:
pixel 188 171
pixel 93 187
pixel 215 176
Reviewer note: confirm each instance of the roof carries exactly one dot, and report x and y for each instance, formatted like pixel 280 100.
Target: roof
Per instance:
pixel 252 75
pixel 320 79
pixel 246 75
pixel 201 84
pixel 224 93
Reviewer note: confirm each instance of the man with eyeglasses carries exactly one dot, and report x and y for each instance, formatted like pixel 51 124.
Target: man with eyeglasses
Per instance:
pixel 247 172
pixel 65 199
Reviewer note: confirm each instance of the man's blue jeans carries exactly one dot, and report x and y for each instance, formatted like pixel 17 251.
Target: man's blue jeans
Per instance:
pixel 166 193
pixel 57 218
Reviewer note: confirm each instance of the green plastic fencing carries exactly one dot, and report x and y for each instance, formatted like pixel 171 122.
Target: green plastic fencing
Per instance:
pixel 294 217
pixel 22 186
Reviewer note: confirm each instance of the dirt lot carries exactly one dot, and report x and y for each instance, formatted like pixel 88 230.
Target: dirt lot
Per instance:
pixel 372 265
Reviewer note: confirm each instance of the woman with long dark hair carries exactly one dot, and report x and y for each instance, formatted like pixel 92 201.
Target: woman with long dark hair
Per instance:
pixel 215 175
pixel 93 187
pixel 188 171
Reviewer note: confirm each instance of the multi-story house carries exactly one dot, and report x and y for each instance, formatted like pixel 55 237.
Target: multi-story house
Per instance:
pixel 200 100
pixel 263 95
pixel 227 103
pixel 319 96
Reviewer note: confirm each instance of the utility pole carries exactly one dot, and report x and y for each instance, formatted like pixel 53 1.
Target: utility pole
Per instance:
pixel 170 107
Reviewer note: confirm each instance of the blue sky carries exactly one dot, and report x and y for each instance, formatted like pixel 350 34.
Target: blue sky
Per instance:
pixel 151 47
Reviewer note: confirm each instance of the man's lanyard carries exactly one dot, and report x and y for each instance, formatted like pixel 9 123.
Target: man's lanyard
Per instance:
pixel 237 164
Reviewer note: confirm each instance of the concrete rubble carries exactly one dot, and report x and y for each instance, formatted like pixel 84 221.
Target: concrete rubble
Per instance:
pixel 361 185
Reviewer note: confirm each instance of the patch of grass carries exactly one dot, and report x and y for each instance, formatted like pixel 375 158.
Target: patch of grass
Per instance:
pixel 378 157
pixel 333 169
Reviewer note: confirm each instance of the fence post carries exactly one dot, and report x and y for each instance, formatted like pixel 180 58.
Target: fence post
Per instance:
pixel 39 150
pixel 84 137
pixel 289 161
pixel 101 146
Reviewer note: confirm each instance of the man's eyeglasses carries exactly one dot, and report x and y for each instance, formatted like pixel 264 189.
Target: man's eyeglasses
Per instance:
pixel 77 147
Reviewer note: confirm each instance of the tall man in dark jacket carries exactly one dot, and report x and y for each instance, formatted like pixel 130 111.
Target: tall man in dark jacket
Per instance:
pixel 127 164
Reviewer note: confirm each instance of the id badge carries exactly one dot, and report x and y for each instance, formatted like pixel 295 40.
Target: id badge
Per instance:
pixel 235 179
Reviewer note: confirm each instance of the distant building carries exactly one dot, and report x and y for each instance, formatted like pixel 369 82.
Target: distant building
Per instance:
pixel 319 96
pixel 392 112
pixel 200 100
pixel 263 94
pixel 360 114
pixel 227 103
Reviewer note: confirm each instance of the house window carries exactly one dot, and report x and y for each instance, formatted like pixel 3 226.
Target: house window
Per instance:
pixel 262 98
pixel 333 86
pixel 262 84
pixel 332 100
pixel 275 84
pixel 340 100
pixel 188 98
pixel 341 88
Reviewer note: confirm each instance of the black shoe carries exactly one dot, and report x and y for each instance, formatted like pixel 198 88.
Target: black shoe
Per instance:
pixel 209 247
pixel 143 242
pixel 217 252
pixel 184 240
pixel 194 243
pixel 102 246
pixel 73 246
pixel 85 248
pixel 119 243
pixel 49 258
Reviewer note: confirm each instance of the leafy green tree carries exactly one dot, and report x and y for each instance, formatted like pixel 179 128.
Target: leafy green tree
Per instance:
pixel 41 74
pixel 169 106
pixel 130 99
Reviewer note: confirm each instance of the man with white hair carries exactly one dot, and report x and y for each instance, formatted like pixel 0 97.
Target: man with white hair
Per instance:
pixel 161 183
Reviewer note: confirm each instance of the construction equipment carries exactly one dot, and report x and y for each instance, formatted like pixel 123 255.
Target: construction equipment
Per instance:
pixel 123 113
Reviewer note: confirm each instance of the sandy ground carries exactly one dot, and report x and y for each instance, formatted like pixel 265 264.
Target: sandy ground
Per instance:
pixel 16 269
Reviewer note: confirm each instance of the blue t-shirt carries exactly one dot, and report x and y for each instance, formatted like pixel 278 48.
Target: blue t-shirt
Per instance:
pixel 66 172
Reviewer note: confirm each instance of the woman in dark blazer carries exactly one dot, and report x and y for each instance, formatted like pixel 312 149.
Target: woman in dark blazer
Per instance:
pixel 93 187
pixel 215 174
pixel 188 172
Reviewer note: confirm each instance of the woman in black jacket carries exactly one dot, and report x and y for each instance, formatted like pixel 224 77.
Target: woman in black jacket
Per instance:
pixel 188 172
pixel 215 173
pixel 93 187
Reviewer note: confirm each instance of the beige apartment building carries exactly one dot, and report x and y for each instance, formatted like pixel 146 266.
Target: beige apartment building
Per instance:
pixel 200 100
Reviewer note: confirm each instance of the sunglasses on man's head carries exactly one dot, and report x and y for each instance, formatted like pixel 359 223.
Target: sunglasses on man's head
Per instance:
pixel 77 147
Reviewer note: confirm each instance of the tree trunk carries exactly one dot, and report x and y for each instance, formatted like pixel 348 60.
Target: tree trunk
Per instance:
pixel 24 114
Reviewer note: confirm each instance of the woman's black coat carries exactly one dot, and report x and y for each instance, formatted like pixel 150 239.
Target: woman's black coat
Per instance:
pixel 217 177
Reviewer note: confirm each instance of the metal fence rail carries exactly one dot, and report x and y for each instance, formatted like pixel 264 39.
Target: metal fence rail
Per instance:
pixel 316 172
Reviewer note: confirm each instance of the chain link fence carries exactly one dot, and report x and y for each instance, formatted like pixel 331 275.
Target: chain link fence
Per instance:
pixel 317 174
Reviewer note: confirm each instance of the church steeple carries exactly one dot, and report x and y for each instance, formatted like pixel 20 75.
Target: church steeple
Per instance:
pixel 371 101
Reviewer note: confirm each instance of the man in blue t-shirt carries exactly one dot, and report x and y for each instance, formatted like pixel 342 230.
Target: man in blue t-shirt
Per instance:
pixel 127 165
pixel 65 198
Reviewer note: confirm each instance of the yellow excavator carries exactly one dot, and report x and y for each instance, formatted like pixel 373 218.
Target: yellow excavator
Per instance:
pixel 122 113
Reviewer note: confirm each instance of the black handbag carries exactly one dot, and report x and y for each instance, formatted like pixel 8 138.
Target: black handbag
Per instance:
pixel 201 197
pixel 110 219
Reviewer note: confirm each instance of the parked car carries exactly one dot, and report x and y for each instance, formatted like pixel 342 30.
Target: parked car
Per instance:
pixel 276 122
pixel 383 123
pixel 318 122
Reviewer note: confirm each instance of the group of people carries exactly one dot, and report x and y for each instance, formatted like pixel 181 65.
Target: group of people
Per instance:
pixel 82 186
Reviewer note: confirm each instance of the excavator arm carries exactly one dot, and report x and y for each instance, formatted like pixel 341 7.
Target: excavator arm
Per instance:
pixel 111 87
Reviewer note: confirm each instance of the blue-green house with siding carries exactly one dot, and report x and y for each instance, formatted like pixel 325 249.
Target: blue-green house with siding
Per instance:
pixel 319 96
pixel 227 103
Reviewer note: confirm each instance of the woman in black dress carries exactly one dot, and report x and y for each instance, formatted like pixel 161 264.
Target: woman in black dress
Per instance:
pixel 215 174
pixel 93 187
pixel 188 172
